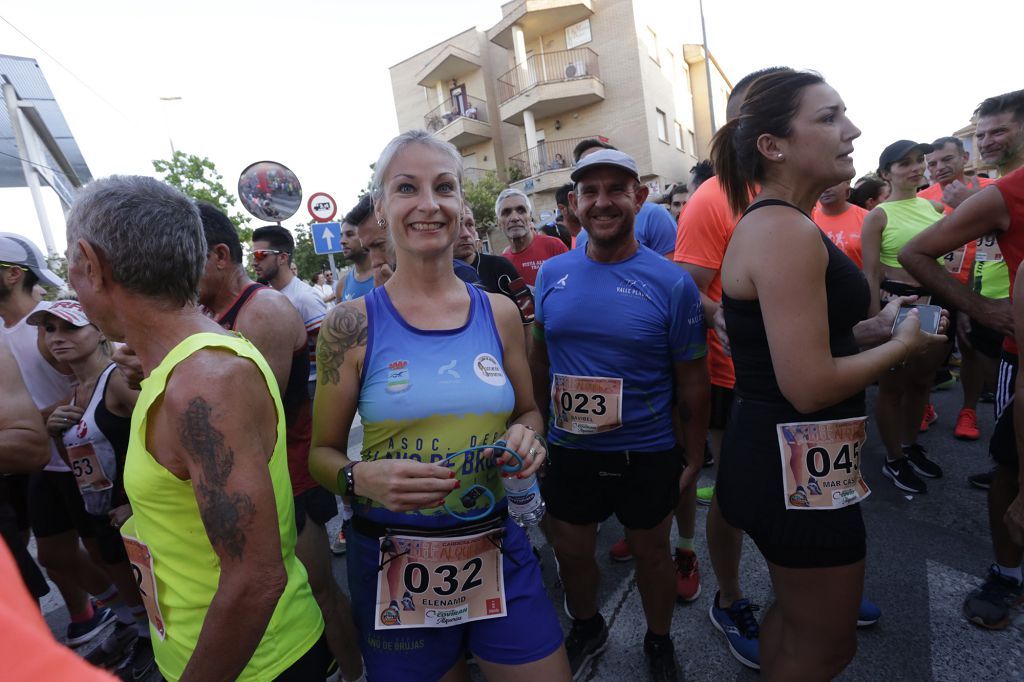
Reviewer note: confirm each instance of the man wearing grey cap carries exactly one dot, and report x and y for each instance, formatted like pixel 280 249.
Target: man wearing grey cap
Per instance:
pixel 50 494
pixel 609 388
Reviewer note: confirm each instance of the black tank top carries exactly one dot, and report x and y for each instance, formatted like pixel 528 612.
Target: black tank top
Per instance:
pixel 847 296
pixel 296 393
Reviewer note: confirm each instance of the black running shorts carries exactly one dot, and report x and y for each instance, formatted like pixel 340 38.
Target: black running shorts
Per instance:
pixel 1003 446
pixel 721 406
pixel 640 488
pixel 985 340
pixel 55 506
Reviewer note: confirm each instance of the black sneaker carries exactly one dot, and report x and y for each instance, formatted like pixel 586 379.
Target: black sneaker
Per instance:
pixel 709 459
pixel 918 459
pixel 661 660
pixel 982 480
pixel 582 648
pixel 903 476
pixel 80 633
pixel 143 662
pixel 989 605
pixel 115 649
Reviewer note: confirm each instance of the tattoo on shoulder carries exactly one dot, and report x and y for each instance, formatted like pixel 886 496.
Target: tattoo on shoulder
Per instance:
pixel 344 328
pixel 224 514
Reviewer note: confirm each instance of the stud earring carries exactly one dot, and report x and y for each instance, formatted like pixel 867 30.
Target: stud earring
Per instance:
pixel 780 157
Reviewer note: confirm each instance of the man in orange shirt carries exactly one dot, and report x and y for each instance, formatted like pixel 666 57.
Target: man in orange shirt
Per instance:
pixel 979 345
pixel 840 220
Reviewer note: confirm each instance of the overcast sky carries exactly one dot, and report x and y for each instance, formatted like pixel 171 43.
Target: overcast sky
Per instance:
pixel 305 82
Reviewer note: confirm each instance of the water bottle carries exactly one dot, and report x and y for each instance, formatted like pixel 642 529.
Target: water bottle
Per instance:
pixel 525 505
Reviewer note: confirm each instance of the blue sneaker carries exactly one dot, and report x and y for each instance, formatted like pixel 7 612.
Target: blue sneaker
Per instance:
pixel 868 614
pixel 80 633
pixel 740 628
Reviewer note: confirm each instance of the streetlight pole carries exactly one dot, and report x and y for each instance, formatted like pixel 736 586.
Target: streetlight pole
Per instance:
pixel 167 125
pixel 707 70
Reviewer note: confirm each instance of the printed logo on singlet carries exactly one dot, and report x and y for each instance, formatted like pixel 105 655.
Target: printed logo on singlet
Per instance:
pixel 448 373
pixel 562 283
pixel 83 429
pixel 696 315
pixel 398 377
pixel 633 287
pixel 489 370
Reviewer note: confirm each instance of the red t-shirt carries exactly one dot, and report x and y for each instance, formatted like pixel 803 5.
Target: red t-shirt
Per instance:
pixel 1011 242
pixel 529 260
pixel 965 254
pixel 843 229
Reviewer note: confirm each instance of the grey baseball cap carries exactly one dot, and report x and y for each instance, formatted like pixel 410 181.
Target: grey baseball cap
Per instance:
pixel 606 157
pixel 16 250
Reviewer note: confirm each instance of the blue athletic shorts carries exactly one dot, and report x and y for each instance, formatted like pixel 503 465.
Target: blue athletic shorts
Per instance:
pixel 530 631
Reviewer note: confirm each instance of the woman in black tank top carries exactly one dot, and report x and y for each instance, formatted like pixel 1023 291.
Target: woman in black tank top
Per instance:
pixel 794 308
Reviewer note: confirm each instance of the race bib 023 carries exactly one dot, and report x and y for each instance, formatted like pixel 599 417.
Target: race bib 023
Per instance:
pixel 586 405
pixel 439 582
pixel 821 463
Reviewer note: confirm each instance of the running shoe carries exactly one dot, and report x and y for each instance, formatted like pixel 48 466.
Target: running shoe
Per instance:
pixel 661 660
pixel 944 380
pixel 582 648
pixel 687 576
pixel 929 418
pixel 982 480
pixel 917 456
pixel 620 551
pixel 967 425
pixel 868 614
pixel 338 544
pixel 143 662
pixel 987 397
pixel 903 476
pixel 80 633
pixel 989 605
pixel 709 459
pixel 813 487
pixel 115 648
pixel 705 494
pixel 407 604
pixel 799 498
pixel 738 624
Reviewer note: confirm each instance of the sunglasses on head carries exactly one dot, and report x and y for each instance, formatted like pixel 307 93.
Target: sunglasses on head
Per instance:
pixel 260 254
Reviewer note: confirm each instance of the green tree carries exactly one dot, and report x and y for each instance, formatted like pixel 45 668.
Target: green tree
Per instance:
pixel 369 183
pixel 198 178
pixel 480 196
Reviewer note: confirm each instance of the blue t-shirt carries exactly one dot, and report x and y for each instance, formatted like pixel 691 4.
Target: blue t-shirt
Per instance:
pixel 654 228
pixel 627 321
pixel 355 288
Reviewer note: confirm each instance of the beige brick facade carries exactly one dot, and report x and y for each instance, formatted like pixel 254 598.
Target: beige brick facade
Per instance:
pixel 540 94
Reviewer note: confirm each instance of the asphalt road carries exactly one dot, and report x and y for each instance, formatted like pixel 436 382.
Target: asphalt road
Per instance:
pixel 925 552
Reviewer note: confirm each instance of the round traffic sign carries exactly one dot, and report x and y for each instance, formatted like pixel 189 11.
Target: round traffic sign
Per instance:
pixel 322 207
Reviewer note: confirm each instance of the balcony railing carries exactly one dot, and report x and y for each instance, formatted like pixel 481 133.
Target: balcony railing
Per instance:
pixel 448 112
pixel 550 155
pixel 550 67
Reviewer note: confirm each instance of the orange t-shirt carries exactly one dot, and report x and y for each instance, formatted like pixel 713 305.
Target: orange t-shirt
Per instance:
pixel 705 227
pixel 27 647
pixel 934 193
pixel 843 229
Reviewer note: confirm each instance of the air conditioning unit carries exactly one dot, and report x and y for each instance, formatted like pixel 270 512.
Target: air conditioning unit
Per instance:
pixel 576 70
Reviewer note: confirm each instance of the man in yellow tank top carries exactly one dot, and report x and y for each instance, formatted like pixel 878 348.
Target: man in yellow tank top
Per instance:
pixel 212 535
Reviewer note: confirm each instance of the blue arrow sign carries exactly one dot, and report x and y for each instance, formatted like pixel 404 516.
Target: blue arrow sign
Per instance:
pixel 326 237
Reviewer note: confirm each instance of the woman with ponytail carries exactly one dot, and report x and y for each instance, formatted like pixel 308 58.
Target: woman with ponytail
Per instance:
pixel 795 308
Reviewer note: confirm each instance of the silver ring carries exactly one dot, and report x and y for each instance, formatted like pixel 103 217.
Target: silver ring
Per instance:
pixel 532 452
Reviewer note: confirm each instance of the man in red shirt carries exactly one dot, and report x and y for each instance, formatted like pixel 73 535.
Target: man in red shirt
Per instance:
pixel 979 345
pixel 840 220
pixel 527 249
pixel 998 209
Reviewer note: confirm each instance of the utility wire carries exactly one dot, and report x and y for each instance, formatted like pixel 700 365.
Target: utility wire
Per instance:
pixel 61 65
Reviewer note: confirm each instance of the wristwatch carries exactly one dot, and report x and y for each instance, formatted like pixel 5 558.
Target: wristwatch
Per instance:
pixel 346 480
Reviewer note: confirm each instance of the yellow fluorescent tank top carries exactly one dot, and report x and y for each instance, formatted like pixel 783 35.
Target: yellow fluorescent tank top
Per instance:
pixel 185 567
pixel 904 219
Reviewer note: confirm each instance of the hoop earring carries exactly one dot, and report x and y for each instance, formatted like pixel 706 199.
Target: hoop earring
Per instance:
pixel 381 223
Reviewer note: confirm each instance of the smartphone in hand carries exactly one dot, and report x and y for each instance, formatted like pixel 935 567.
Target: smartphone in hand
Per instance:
pixel 929 314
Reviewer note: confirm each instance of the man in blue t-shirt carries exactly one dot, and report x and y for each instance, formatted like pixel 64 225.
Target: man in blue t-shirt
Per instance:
pixel 609 389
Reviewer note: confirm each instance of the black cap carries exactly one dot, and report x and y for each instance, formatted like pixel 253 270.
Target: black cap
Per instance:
pixel 899 149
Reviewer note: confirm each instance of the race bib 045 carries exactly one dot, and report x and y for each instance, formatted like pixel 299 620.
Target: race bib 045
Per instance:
pixel 586 405
pixel 821 463
pixel 439 582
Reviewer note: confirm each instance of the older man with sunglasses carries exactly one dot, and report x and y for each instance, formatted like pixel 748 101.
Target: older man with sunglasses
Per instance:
pixel 272 247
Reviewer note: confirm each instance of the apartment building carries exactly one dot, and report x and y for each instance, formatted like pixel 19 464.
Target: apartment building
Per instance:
pixel 516 98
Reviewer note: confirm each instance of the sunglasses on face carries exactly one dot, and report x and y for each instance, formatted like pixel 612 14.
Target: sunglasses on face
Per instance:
pixel 260 254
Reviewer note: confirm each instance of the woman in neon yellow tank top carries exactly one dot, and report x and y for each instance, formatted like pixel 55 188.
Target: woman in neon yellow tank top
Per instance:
pixel 903 392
